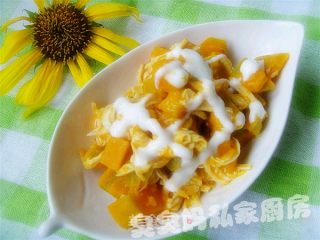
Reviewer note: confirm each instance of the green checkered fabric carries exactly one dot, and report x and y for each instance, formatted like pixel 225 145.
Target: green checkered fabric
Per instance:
pixel 294 168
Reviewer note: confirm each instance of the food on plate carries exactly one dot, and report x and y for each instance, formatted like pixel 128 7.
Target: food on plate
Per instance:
pixel 180 131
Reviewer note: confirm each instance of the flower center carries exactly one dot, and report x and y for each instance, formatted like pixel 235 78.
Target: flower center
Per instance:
pixel 61 32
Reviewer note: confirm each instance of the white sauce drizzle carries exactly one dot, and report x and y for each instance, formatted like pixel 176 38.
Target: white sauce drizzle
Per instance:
pixel 240 120
pixel 135 114
pixel 256 111
pixel 200 69
pixel 165 70
pixel 234 83
pixel 249 67
pixel 216 58
pixel 177 77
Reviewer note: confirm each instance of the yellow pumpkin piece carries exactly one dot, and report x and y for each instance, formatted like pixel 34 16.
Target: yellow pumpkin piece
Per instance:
pixel 157 51
pixel 256 82
pixel 151 200
pixel 123 209
pixel 173 106
pixel 148 85
pixel 100 166
pixel 219 70
pixel 164 85
pixel 269 86
pixel 273 64
pixel 116 186
pixel 214 123
pixel 211 45
pixel 116 153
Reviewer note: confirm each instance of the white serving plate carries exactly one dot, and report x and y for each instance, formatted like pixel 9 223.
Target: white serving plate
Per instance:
pixel 77 203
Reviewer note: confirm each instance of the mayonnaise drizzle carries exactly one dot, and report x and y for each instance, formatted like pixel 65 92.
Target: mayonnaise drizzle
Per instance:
pixel 164 70
pixel 136 114
pixel 249 67
pixel 256 110
pixel 177 77
pixel 240 120
pixel 197 67
pixel 216 58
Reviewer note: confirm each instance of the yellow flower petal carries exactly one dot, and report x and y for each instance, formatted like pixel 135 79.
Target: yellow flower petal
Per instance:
pixel 80 70
pixel 27 94
pixel 14 42
pixel 56 2
pixel 110 10
pixel 11 74
pixel 81 3
pixel 42 88
pixel 40 4
pixel 84 68
pixel 75 72
pixel 98 54
pixel 5 26
pixel 106 44
pixel 49 87
pixel 121 40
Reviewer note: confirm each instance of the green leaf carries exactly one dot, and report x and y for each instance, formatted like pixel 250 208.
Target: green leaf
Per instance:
pixel 95 24
pixel 29 26
pixel 31 15
pixel 38 64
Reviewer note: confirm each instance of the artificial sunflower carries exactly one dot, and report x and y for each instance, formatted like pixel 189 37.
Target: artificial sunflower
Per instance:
pixel 62 33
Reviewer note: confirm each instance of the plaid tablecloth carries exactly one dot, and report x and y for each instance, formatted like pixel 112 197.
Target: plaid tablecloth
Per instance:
pixel 294 171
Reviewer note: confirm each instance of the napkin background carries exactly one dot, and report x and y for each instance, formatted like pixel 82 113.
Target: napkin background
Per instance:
pixel 294 168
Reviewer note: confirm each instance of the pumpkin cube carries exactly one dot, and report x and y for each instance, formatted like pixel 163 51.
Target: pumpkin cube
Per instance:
pixel 116 153
pixel 173 106
pixel 151 200
pixel 164 85
pixel 157 51
pixel 220 70
pixel 269 86
pixel 256 82
pixel 211 45
pixel 122 209
pixel 274 63
pixel 148 84
pixel 116 186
